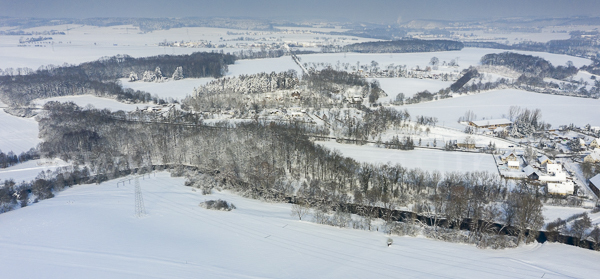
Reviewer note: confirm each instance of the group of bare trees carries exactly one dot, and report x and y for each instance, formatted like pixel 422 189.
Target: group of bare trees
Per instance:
pixel 266 160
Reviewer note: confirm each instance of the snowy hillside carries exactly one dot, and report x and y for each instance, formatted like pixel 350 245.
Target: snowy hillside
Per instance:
pixel 90 231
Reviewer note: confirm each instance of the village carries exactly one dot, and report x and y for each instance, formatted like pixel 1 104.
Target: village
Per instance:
pixel 557 161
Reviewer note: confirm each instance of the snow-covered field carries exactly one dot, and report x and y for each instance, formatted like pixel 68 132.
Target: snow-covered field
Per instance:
pixel 556 110
pixel 96 102
pixel 90 231
pixel 31 169
pixel 425 159
pixel 17 134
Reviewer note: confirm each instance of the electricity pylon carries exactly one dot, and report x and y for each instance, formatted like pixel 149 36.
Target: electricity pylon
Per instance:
pixel 140 210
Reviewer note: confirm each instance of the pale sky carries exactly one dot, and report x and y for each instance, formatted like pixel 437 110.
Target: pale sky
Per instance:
pixel 352 10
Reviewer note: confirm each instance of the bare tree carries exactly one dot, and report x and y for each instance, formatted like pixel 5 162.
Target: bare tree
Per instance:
pixel 300 210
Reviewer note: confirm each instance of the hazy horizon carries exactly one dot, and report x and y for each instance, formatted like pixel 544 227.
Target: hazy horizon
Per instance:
pixel 381 11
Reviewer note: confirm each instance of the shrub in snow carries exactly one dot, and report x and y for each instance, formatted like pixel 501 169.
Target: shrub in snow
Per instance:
pixel 217 205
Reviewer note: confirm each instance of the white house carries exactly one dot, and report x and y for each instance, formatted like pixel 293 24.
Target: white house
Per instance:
pixel 562 188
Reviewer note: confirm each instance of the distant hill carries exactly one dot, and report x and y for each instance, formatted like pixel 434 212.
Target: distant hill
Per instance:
pixel 403 46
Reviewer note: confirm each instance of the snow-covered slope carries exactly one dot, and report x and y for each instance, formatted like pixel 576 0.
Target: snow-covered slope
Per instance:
pixel 90 231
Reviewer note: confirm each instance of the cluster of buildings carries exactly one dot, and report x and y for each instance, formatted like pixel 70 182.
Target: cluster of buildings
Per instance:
pixel 544 171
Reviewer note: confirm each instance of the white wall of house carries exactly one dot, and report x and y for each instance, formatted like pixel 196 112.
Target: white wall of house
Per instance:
pixel 563 188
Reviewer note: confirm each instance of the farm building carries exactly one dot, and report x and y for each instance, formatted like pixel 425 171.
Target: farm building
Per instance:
pixel 491 123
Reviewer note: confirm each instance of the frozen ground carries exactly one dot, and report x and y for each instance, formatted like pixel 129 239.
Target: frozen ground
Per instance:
pixel 425 159
pixel 16 133
pixel 556 110
pixel 31 169
pixel 90 231
pixel 96 102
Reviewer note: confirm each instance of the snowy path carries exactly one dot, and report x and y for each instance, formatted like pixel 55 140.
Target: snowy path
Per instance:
pixel 89 231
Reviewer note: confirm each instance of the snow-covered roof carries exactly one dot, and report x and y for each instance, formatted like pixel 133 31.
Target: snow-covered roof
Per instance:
pixel 595 156
pixel 565 187
pixel 507 154
pixel 543 158
pixel 528 170
pixel 595 180
pixel 492 122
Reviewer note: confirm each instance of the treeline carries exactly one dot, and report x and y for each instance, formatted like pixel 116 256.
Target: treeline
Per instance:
pixel 195 65
pixel 10 159
pixel 529 65
pixel 402 46
pixel 100 77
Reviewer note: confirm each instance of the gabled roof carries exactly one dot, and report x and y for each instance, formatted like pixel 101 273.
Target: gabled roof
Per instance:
pixel 528 170
pixel 595 180
pixel 594 156
pixel 507 154
pixel 543 158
